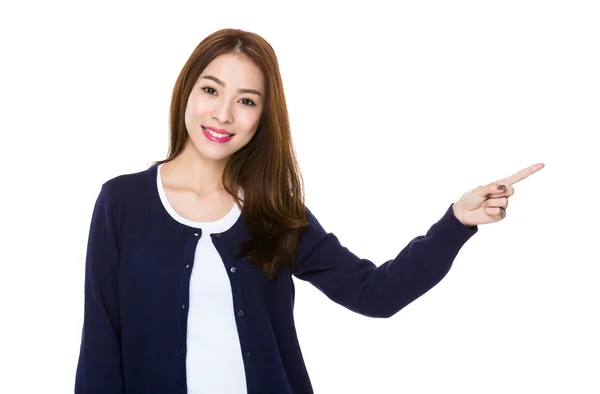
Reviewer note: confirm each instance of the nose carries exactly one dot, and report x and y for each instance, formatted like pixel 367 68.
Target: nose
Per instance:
pixel 222 111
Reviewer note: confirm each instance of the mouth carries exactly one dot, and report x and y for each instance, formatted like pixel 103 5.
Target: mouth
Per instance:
pixel 214 136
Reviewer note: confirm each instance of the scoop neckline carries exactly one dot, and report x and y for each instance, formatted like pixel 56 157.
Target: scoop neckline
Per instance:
pixel 181 224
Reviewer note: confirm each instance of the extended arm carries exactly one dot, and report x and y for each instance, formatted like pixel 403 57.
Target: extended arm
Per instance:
pixel 359 285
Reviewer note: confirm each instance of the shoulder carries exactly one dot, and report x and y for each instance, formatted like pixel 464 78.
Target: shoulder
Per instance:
pixel 128 192
pixel 313 225
pixel 311 235
pixel 129 183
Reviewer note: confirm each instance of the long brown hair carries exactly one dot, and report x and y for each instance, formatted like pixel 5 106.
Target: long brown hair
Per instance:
pixel 266 168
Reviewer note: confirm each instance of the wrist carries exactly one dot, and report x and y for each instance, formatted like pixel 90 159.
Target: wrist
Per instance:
pixel 458 215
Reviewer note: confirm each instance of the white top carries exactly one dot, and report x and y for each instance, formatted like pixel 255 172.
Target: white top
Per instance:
pixel 214 356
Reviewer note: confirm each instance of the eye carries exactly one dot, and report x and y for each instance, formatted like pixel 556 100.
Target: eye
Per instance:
pixel 205 89
pixel 249 102
pixel 245 101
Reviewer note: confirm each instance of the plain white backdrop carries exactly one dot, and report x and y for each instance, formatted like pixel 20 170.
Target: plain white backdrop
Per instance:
pixel 396 109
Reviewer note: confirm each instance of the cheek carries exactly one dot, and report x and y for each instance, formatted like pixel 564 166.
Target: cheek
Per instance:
pixel 188 114
pixel 191 108
pixel 195 108
pixel 250 122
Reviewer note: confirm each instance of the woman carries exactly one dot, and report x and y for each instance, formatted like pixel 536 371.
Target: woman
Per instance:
pixel 188 284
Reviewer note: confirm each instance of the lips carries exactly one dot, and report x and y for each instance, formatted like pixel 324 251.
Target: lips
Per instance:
pixel 213 138
pixel 219 131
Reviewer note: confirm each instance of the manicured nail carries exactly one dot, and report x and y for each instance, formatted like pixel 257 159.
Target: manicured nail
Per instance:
pixel 502 187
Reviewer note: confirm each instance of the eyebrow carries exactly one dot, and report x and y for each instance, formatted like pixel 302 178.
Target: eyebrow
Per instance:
pixel 217 80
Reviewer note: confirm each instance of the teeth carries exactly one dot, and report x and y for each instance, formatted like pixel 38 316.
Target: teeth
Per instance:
pixel 216 134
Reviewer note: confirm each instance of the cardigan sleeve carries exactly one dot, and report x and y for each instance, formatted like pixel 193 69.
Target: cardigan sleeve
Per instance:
pixel 99 365
pixel 379 291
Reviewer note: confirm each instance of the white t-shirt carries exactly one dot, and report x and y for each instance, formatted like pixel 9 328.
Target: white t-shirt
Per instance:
pixel 214 357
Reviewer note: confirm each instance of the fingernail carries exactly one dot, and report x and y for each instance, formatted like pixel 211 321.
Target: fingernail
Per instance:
pixel 501 187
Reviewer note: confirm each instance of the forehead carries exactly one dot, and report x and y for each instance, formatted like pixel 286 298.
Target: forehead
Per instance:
pixel 235 71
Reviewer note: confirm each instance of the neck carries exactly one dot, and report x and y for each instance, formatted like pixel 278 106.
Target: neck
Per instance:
pixel 191 171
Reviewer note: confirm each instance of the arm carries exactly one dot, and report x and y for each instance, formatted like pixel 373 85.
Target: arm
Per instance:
pixel 359 285
pixel 99 366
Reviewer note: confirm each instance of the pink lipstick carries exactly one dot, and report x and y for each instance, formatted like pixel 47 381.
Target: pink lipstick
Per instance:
pixel 214 138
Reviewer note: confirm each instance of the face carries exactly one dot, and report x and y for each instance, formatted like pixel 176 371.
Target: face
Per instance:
pixel 226 100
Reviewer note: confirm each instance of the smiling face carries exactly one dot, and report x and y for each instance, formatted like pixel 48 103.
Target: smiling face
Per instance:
pixel 227 99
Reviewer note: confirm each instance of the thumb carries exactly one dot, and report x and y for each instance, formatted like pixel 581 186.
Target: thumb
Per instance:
pixel 492 188
pixel 473 198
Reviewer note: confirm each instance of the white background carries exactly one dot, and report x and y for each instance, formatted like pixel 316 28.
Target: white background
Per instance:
pixel 397 109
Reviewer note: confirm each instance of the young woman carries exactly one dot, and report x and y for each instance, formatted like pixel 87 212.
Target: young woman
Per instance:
pixel 188 281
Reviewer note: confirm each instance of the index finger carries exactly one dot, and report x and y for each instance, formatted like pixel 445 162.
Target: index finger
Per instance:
pixel 519 176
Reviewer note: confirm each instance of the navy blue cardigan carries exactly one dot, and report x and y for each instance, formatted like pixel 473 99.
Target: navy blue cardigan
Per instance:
pixel 137 274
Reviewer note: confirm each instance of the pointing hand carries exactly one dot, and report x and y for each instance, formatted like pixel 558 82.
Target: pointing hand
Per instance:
pixel 487 204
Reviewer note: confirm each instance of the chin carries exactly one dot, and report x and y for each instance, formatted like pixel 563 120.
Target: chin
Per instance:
pixel 215 153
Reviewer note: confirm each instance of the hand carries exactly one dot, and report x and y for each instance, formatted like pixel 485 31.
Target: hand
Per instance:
pixel 487 204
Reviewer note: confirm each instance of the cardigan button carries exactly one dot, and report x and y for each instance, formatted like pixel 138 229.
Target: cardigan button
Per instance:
pixel 233 269
pixel 240 313
pixel 246 354
pixel 219 236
